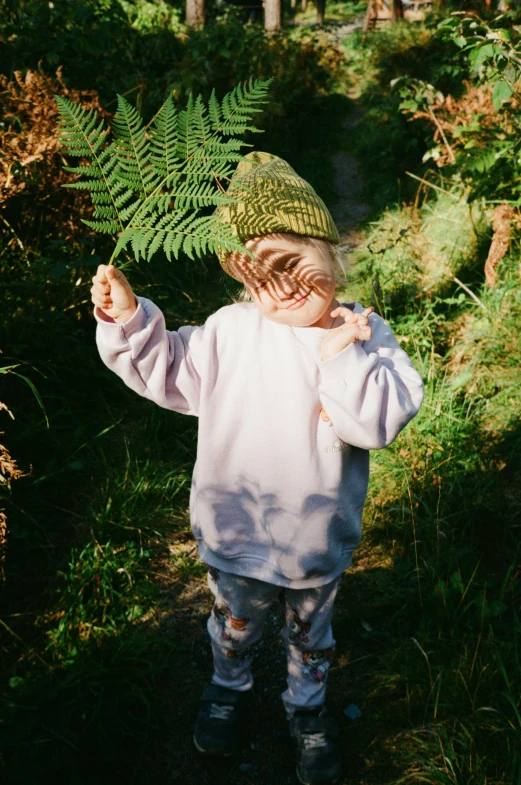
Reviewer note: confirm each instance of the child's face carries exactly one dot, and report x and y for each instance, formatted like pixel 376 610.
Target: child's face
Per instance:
pixel 290 281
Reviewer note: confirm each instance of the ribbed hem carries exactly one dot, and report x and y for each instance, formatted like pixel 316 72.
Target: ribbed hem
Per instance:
pixel 339 366
pixel 117 335
pixel 233 684
pixel 260 570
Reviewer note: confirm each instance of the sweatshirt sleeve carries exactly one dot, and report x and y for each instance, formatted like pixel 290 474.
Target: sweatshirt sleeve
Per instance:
pixel 158 364
pixel 370 389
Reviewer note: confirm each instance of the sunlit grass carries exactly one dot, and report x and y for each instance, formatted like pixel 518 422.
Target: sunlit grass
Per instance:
pixel 444 504
pixel 335 12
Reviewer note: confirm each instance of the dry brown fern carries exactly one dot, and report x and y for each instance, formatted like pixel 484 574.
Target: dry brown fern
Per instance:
pixel 504 218
pixel 30 159
pixel 450 115
pixel 9 471
pixel 28 137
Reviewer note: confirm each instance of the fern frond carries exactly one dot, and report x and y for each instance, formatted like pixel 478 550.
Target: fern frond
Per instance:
pixel 187 142
pixel 154 187
pixel 241 103
pixel 130 210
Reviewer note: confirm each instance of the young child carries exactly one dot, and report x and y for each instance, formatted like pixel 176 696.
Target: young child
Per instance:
pixel 292 390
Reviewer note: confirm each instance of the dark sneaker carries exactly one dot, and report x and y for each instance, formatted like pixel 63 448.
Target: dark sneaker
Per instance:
pixel 220 723
pixel 318 759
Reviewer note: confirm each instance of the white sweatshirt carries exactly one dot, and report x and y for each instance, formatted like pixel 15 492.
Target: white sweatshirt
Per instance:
pixel 278 489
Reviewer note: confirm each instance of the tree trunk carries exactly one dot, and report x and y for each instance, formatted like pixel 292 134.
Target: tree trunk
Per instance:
pixel 397 10
pixel 304 4
pixel 195 13
pixel 368 16
pixel 293 3
pixel 321 10
pixel 272 15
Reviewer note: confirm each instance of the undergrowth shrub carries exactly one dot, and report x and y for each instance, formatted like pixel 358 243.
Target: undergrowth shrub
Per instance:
pixel 303 62
pixel 138 48
pixel 385 143
pixel 414 253
pixel 110 46
pixel 9 471
pixel 473 134
pixel 306 96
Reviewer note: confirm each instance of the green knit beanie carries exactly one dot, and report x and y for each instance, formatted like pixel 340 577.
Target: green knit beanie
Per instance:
pixel 273 198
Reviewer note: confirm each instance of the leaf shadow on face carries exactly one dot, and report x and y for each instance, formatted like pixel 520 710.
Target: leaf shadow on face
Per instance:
pixel 267 272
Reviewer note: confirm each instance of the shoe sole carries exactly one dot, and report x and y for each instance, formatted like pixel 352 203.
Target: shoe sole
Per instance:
pixel 311 783
pixel 212 753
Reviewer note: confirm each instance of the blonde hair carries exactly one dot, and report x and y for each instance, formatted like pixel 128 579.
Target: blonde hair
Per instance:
pixel 329 251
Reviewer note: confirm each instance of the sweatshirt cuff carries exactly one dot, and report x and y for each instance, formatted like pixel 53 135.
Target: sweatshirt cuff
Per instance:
pixel 339 366
pixel 118 334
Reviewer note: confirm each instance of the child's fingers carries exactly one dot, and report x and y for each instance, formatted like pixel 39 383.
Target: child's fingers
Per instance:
pixel 100 295
pixel 101 298
pixel 350 316
pixel 104 302
pixel 362 318
pixel 101 274
pixel 347 313
pixel 101 288
pixel 116 275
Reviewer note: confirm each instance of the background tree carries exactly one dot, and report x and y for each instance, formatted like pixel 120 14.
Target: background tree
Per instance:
pixel 195 13
pixel 272 15
pixel 397 10
pixel 321 10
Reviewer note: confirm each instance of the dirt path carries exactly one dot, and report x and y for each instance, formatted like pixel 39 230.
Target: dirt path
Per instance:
pixel 349 212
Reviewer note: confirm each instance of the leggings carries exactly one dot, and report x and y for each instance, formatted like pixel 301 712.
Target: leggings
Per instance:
pixel 236 622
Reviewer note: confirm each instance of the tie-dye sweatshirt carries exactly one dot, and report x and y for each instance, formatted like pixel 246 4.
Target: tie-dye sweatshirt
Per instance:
pixel 282 467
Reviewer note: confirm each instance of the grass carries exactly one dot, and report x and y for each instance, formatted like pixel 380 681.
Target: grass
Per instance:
pixel 343 12
pixel 112 655
pixel 444 502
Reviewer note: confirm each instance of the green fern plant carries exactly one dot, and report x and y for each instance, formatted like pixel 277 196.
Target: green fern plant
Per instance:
pixel 152 187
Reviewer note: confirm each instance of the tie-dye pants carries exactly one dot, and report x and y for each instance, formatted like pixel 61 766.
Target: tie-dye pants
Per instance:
pixel 236 622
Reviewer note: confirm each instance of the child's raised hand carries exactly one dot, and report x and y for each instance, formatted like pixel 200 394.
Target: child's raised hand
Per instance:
pixel 112 293
pixel 356 328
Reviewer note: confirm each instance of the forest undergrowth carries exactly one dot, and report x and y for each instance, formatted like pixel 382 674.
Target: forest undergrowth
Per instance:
pixel 104 647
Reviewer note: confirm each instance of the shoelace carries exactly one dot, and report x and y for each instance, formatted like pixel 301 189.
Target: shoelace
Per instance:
pixel 312 740
pixel 220 711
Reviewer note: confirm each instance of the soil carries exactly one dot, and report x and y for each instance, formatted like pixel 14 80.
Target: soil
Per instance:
pixel 349 212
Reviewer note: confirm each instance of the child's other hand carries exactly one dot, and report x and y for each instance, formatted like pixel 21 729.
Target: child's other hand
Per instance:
pixel 356 328
pixel 112 293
